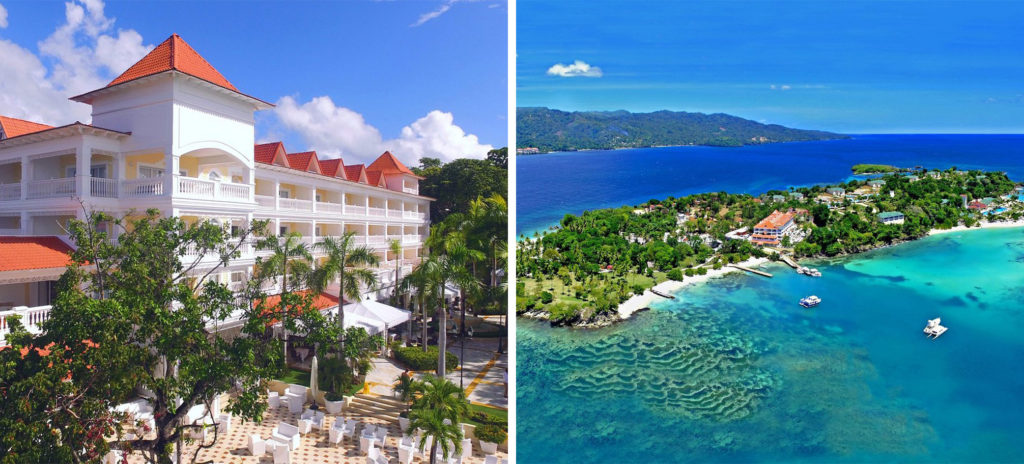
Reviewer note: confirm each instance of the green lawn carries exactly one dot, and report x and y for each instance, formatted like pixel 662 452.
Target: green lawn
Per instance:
pixel 299 377
pixel 501 413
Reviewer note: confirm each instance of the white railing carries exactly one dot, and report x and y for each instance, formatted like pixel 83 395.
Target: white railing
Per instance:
pixel 375 211
pixel 198 188
pixel 395 213
pixel 30 318
pixel 355 210
pixel 10 192
pixel 359 239
pixel 103 187
pixel 53 188
pixel 325 207
pixel 376 239
pixel 292 204
pixel 413 191
pixel 141 188
pixel 265 201
pixel 232 191
pixel 10 231
pixel 412 238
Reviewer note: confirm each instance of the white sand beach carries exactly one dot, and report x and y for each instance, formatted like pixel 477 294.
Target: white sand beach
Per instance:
pixel 638 302
pixel 983 225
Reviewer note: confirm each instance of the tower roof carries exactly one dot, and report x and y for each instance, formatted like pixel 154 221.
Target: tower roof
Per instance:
pixel 388 165
pixel 173 54
pixel 13 127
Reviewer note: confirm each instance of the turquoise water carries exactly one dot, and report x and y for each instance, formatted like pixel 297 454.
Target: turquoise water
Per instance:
pixel 734 370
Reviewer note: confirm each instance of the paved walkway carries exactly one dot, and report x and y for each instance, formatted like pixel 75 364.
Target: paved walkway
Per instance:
pixel 483 371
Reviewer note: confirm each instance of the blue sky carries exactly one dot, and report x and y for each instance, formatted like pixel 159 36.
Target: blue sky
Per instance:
pixel 852 66
pixel 348 75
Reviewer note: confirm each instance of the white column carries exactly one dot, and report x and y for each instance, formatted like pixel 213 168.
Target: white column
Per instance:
pixel 172 164
pixel 26 224
pixel 250 179
pixel 26 176
pixel 277 196
pixel 313 197
pixel 83 157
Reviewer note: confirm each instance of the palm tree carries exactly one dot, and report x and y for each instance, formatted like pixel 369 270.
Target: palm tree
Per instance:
pixel 395 246
pixel 342 253
pixel 443 267
pixel 446 434
pixel 440 394
pixel 419 282
pixel 288 256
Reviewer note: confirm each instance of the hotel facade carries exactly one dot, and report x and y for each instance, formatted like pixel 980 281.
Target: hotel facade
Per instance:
pixel 172 133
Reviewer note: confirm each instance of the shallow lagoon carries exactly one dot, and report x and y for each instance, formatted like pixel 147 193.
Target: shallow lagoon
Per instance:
pixel 735 370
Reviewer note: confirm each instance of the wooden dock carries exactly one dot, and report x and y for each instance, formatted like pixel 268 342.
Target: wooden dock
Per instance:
pixel 789 261
pixel 663 295
pixel 753 271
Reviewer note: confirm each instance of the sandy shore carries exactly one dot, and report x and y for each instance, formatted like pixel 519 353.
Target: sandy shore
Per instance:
pixel 638 302
pixel 983 225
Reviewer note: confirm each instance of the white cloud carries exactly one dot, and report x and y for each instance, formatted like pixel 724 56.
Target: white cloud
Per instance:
pixel 3 17
pixel 447 5
pixel 83 54
pixel 576 69
pixel 780 87
pixel 333 130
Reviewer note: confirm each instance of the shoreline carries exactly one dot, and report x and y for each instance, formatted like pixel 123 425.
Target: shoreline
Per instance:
pixel 982 225
pixel 641 302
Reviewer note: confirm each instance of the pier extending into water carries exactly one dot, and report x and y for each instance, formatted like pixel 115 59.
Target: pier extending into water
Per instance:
pixel 753 271
pixel 792 263
pixel 662 294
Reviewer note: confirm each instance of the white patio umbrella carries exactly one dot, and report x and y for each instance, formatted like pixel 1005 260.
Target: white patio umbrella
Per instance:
pixel 313 387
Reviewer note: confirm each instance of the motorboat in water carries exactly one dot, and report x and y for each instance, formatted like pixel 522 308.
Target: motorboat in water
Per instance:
pixel 810 301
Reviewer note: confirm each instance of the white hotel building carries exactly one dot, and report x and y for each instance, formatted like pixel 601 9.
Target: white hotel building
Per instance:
pixel 172 133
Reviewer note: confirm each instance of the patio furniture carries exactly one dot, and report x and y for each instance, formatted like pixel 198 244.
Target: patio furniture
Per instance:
pixel 282 455
pixel 113 457
pixel 491 459
pixel 273 400
pixel 305 425
pixel 405 454
pixel 287 434
pixel 257 446
pixel 224 424
pixel 381 433
pixel 350 428
pixel 424 453
pixel 467 448
pixel 366 444
pixel 294 402
pixel 336 433
pixel 315 418
pixel 299 390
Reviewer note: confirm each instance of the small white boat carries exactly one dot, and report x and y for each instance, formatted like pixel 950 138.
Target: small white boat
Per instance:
pixel 809 272
pixel 810 301
pixel 935 328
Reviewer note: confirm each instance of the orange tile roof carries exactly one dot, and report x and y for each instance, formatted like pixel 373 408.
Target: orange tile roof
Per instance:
pixel 330 167
pixel 352 172
pixel 173 54
pixel 320 302
pixel 373 177
pixel 775 220
pixel 388 164
pixel 265 152
pixel 13 127
pixel 23 253
pixel 301 161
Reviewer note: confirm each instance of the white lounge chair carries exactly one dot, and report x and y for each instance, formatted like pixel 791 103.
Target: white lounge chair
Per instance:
pixel 315 418
pixel 282 455
pixel 366 444
pixel 381 433
pixel 294 402
pixel 491 459
pixel 297 390
pixel 350 428
pixel 273 399
pixel 336 433
pixel 287 434
pixel 405 454
pixel 467 448
pixel 257 446
pixel 224 424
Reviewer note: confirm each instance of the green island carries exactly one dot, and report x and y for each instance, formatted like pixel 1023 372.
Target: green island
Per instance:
pixel 874 168
pixel 579 272
pixel 542 130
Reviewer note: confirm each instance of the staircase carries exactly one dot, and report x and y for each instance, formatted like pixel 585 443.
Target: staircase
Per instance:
pixel 380 407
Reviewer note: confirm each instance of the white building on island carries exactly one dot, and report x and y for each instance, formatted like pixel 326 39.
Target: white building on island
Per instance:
pixel 172 133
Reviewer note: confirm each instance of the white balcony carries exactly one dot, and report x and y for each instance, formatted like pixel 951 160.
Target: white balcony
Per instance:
pixel 103 187
pixel 376 240
pixel 191 187
pixel 142 188
pixel 266 201
pixel 355 210
pixel 414 215
pixel 10 192
pixel 325 207
pixel 394 213
pixel 292 204
pixel 30 318
pixel 414 191
pixel 371 211
pixel 53 188
pixel 406 239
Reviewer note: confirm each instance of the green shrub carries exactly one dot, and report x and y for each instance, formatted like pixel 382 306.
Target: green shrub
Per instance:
pixel 490 433
pixel 416 359
pixel 675 274
pixel 488 419
pixel 546 297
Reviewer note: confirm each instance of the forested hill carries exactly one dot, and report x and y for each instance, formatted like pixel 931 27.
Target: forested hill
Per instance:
pixel 553 130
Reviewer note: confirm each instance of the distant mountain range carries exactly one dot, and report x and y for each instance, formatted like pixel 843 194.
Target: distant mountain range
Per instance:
pixel 549 130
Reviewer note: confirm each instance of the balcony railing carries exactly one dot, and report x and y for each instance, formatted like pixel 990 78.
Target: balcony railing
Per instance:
pixel 414 215
pixel 10 192
pixel 292 204
pixel 413 191
pixel 412 238
pixel 30 318
pixel 103 187
pixel 355 210
pixel 142 188
pixel 10 232
pixel 375 211
pixel 325 207
pixel 376 239
pixel 266 201
pixel 210 190
pixel 53 188
pixel 394 213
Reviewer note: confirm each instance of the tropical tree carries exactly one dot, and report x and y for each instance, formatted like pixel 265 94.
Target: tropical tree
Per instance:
pixel 418 281
pixel 443 267
pixel 342 253
pixel 395 246
pixel 440 394
pixel 134 314
pixel 289 257
pixel 446 434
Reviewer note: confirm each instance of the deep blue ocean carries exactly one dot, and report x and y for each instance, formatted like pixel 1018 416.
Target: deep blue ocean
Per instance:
pixel 551 185
pixel 735 371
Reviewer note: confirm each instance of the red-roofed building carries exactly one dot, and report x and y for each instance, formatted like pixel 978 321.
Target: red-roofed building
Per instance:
pixel 771 229
pixel 172 133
